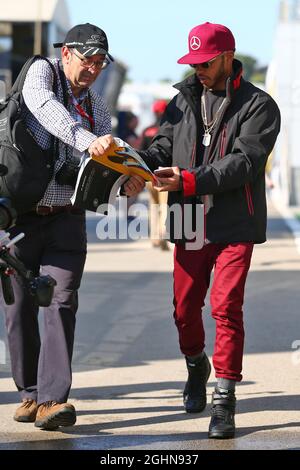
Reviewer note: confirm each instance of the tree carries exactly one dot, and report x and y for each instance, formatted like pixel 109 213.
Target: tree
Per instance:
pixel 165 80
pixel 187 73
pixel 249 65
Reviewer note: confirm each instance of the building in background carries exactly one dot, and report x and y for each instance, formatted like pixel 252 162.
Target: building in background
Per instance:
pixel 29 27
pixel 26 28
pixel 283 83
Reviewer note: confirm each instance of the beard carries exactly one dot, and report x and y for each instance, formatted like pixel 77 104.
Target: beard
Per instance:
pixel 221 77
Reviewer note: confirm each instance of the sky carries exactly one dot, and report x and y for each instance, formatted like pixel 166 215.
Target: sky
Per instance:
pixel 149 36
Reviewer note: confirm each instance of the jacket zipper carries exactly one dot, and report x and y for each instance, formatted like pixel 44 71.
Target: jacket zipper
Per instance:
pixel 247 186
pixel 249 199
pixel 9 145
pixel 192 163
pixel 223 140
pixel 193 159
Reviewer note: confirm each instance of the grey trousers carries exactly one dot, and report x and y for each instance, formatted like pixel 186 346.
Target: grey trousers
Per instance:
pixel 55 245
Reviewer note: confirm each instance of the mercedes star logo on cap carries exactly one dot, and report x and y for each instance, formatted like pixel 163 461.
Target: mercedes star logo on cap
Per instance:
pixel 195 43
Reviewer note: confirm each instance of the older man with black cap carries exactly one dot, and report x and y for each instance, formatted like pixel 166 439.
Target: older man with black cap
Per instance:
pixel 215 136
pixel 55 235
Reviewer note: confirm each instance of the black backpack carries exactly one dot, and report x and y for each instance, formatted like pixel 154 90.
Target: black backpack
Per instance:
pixel 28 167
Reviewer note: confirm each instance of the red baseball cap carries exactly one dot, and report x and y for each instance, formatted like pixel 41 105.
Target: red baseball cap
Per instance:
pixel 206 41
pixel 159 106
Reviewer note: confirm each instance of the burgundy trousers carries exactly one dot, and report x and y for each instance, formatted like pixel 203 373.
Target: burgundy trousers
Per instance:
pixel 192 272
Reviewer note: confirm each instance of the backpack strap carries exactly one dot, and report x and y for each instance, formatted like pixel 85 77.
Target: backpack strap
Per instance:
pixel 18 87
pixel 63 82
pixel 19 83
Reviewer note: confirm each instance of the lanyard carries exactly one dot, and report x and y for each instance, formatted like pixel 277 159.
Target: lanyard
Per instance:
pixel 82 112
pixel 77 106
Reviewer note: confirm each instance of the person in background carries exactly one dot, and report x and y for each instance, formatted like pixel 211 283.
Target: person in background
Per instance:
pixel 127 124
pixel 55 233
pixel 215 138
pixel 158 200
pixel 268 178
pixel 126 130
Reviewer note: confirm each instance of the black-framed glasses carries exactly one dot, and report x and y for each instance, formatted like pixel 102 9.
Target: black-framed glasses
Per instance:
pixel 206 65
pixel 87 63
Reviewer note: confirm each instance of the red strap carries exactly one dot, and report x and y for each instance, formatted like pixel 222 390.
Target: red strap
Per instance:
pixel 82 113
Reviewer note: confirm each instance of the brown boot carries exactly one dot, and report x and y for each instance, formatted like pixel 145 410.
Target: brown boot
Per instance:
pixel 51 415
pixel 26 413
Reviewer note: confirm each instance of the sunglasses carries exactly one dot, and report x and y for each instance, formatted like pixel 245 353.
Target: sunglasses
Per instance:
pixel 206 65
pixel 87 63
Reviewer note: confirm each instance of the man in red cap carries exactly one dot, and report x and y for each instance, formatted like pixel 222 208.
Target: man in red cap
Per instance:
pixel 215 137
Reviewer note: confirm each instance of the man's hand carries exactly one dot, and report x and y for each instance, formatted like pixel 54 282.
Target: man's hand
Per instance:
pixel 134 185
pixel 168 179
pixel 99 145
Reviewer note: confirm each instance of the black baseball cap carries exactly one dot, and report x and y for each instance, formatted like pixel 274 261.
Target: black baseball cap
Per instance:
pixel 87 39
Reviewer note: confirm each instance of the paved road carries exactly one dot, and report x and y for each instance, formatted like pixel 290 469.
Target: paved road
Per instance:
pixel 128 372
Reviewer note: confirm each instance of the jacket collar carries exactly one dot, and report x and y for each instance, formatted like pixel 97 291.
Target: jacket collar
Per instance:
pixel 233 83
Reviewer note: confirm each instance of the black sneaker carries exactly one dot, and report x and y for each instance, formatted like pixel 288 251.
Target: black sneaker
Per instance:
pixel 222 424
pixel 194 395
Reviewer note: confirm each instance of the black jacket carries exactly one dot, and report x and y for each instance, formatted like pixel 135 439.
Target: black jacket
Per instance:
pixel 233 166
